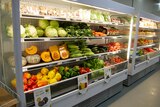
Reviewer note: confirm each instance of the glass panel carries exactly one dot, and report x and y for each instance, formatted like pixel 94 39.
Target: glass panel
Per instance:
pixel 7 47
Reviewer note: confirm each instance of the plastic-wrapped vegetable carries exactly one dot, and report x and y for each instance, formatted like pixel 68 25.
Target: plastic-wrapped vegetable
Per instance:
pixel 31 31
pixel 51 32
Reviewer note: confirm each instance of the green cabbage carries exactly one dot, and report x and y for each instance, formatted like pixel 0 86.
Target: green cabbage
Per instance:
pixel 31 31
pixel 62 32
pixel 40 31
pixel 50 31
pixel 43 24
pixel 54 24
pixel 10 31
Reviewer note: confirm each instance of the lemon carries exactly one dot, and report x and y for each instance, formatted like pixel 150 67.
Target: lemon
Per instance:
pixel 51 74
pixel 44 71
pixel 13 82
pixel 58 76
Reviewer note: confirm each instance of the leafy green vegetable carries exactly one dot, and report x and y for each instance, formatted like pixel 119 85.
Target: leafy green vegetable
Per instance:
pixel 54 24
pixel 40 31
pixel 62 32
pixel 51 32
pixel 94 64
pixel 31 31
pixel 43 24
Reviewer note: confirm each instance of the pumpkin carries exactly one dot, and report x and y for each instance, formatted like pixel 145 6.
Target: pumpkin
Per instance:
pixel 31 50
pixel 54 52
pixel 64 53
pixel 45 56
pixel 33 59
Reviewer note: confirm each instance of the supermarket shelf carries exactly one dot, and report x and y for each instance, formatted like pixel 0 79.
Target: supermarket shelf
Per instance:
pixel 93 89
pixel 147 28
pixel 42 39
pixel 146 54
pixel 143 65
pixel 111 66
pixel 71 20
pixel 70 60
pixel 146 36
pixel 145 46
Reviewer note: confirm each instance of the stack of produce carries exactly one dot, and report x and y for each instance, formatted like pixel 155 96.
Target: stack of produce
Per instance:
pixel 45 28
pixel 98 49
pixel 143 41
pixel 145 51
pixel 31 55
pixel 113 32
pixel 74 50
pixel 145 32
pixel 116 59
pixel 114 46
pixel 42 78
pixel 99 16
pixel 50 28
pixel 78 49
pixel 78 30
pixel 87 51
pixel 98 34
pixel 68 72
pixel 95 64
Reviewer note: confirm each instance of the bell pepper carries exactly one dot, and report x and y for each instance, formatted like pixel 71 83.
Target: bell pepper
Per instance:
pixel 42 83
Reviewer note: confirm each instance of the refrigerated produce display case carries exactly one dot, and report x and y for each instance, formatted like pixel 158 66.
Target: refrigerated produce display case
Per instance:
pixel 145 46
pixel 74 52
pixel 69 50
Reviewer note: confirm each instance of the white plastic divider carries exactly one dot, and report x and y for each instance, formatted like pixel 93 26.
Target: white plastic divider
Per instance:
pixel 145 46
pixel 153 60
pixel 143 65
pixel 72 98
pixel 45 39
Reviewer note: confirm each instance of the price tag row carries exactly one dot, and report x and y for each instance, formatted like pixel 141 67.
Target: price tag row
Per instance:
pixel 83 80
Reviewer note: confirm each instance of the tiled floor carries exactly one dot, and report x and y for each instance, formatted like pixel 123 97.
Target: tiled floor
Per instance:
pixel 143 93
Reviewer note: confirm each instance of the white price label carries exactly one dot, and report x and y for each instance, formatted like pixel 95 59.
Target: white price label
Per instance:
pixel 107 74
pixel 47 39
pixel 42 97
pixel 59 63
pixel 83 84
pixel 78 59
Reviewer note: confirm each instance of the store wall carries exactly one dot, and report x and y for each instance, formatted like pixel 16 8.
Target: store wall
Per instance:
pixel 126 2
pixel 145 5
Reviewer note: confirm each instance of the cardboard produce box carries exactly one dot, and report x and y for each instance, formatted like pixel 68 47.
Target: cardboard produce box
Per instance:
pixel 7 100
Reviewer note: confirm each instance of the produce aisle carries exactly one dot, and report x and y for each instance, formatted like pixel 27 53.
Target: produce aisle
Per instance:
pixel 143 93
